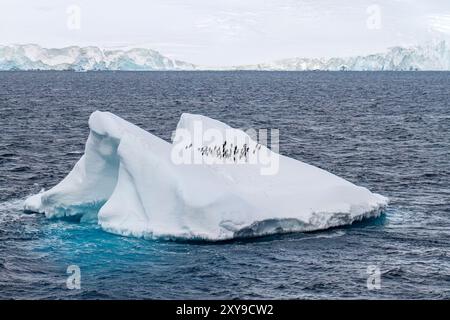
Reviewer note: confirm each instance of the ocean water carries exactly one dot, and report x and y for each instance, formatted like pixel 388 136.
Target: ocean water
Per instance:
pixel 388 131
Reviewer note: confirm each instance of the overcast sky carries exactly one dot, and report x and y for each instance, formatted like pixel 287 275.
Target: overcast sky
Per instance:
pixel 227 32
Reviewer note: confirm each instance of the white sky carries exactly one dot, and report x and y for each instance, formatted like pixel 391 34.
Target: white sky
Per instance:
pixel 229 32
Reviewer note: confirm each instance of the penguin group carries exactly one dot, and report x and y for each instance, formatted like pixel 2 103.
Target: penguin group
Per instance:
pixel 227 152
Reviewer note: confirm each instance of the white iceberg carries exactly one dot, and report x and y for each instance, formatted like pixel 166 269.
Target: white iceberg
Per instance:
pixel 132 184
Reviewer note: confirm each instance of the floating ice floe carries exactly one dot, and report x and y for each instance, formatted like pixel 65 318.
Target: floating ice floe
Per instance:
pixel 215 188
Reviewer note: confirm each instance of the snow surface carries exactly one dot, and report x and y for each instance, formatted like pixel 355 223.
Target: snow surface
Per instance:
pixel 128 181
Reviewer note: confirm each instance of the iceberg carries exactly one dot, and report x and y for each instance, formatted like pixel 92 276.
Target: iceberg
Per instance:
pixel 133 183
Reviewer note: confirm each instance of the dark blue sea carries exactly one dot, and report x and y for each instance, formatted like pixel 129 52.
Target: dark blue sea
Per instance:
pixel 387 131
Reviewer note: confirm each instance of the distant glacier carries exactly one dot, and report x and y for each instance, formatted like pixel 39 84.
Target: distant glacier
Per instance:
pixel 433 56
pixel 34 57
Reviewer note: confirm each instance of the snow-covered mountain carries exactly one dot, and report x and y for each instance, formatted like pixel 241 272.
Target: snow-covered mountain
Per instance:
pixel 34 57
pixel 432 56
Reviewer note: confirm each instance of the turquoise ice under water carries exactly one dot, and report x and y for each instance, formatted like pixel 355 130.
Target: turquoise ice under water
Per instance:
pixel 123 268
pixel 385 131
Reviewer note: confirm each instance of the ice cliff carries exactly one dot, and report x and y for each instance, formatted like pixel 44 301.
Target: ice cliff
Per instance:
pixel 430 56
pixel 34 57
